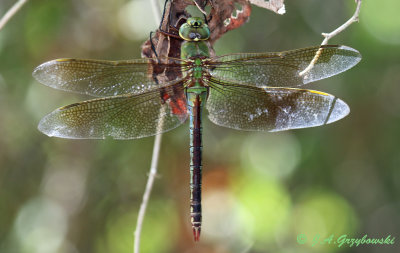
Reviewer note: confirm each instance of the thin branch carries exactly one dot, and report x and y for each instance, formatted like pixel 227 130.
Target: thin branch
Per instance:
pixel 332 34
pixel 11 12
pixel 343 27
pixel 149 186
pixel 156 11
pixel 154 158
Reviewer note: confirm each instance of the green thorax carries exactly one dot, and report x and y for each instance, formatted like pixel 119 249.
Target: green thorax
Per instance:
pixel 194 49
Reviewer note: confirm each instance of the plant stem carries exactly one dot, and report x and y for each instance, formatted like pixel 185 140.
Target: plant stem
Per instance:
pixel 343 27
pixel 332 34
pixel 11 12
pixel 154 158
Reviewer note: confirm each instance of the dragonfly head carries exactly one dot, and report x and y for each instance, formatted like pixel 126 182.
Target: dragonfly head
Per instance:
pixel 194 29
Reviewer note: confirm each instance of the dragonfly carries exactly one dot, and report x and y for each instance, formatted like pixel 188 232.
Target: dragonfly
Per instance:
pixel 244 91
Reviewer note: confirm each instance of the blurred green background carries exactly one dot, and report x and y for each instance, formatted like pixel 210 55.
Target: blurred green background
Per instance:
pixel 261 190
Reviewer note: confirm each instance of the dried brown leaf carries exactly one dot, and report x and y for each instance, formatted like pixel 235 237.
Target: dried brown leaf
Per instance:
pixel 276 6
pixel 225 16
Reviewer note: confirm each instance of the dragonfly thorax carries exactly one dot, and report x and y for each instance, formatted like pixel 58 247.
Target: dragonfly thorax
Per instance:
pixel 195 49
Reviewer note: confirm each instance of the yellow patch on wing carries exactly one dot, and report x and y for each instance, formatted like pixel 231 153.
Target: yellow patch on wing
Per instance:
pixel 63 59
pixel 319 92
pixel 291 88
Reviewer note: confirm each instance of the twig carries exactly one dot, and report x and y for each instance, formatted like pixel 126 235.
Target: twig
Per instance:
pixel 154 158
pixel 156 11
pixel 332 34
pixel 341 28
pixel 149 186
pixel 11 12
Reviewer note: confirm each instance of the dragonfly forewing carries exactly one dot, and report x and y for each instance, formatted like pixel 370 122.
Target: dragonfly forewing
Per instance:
pixel 272 109
pixel 284 69
pixel 101 78
pixel 119 117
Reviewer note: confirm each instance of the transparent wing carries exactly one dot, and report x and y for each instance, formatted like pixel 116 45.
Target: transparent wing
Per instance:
pixel 108 78
pixel 284 69
pixel 119 117
pixel 271 109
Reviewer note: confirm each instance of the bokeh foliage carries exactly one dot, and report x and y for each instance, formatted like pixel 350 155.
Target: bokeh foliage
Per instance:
pixel 261 190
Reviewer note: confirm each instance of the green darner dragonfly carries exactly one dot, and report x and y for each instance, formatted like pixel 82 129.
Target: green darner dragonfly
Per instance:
pixel 241 91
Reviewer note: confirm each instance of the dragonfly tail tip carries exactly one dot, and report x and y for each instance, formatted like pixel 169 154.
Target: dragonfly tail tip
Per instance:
pixel 196 233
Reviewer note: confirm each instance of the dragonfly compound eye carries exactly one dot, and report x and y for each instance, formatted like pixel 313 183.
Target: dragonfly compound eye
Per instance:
pixel 194 36
pixel 188 32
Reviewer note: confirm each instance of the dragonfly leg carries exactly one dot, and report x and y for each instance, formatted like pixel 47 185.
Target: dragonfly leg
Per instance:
pixel 153 48
pixel 168 24
pixel 163 15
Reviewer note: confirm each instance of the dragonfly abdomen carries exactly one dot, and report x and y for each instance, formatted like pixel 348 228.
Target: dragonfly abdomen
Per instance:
pixel 195 97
